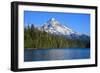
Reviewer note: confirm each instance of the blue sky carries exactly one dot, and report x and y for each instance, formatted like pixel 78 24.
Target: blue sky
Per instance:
pixel 79 22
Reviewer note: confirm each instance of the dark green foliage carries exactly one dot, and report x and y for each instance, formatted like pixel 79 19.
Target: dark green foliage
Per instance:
pixel 34 38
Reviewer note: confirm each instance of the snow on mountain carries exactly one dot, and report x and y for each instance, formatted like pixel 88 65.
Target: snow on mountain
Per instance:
pixel 56 28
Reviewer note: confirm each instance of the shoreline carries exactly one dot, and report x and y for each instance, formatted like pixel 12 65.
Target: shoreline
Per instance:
pixel 51 48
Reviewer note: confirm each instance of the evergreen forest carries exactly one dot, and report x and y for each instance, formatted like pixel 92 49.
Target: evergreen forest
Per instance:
pixel 36 39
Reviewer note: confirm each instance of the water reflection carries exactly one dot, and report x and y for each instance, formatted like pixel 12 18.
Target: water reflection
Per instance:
pixel 56 54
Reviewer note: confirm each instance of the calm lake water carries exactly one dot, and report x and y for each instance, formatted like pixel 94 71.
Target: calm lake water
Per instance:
pixel 56 54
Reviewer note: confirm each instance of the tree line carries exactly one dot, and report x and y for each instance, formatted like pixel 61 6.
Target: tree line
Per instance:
pixel 36 39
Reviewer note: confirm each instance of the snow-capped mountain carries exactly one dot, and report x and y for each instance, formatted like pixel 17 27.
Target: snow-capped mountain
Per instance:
pixel 54 27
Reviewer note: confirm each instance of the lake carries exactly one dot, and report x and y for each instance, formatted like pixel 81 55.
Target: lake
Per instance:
pixel 56 54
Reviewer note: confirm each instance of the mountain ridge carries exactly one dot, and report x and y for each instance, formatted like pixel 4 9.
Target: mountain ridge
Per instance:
pixel 54 27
